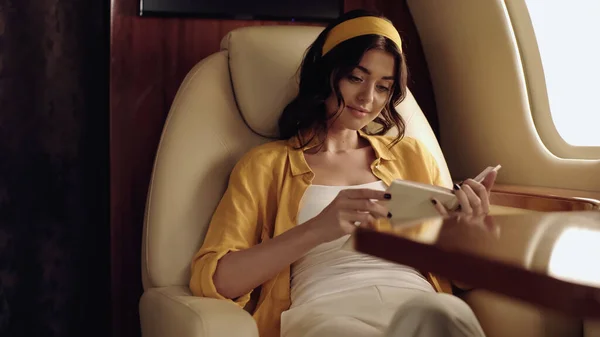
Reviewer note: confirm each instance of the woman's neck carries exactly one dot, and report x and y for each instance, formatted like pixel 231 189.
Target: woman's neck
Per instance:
pixel 342 141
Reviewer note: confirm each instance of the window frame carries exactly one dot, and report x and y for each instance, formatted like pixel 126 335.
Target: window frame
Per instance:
pixel 536 87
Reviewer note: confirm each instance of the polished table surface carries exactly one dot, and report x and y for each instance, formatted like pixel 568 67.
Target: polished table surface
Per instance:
pixel 549 259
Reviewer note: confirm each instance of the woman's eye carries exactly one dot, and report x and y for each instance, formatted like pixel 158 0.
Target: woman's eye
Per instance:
pixel 383 88
pixel 355 79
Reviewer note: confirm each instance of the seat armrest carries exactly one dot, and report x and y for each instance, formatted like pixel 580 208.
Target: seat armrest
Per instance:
pixel 174 311
pixel 543 199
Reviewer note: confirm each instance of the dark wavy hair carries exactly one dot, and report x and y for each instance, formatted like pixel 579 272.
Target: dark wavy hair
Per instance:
pixel 321 75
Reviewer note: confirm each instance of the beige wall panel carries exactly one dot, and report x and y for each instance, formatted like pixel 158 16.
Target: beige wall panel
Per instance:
pixel 481 94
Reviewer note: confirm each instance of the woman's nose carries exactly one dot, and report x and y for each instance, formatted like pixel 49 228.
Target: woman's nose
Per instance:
pixel 366 94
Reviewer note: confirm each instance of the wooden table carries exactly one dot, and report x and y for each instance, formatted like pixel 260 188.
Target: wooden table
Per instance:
pixel 549 259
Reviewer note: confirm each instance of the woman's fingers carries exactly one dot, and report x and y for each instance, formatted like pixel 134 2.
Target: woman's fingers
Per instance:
pixel 489 180
pixel 353 217
pixel 481 193
pixel 439 207
pixel 474 200
pixel 465 205
pixel 365 205
pixel 363 193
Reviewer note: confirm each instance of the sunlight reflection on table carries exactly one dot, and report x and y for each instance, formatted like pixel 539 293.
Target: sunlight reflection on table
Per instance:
pixel 572 253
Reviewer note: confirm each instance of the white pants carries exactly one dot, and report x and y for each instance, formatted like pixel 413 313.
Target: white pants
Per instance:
pixel 381 312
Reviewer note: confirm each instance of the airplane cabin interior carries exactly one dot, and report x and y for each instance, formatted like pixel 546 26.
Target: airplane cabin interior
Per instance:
pixel 131 131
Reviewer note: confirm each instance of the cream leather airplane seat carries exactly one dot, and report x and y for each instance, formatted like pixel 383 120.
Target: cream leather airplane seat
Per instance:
pixel 227 104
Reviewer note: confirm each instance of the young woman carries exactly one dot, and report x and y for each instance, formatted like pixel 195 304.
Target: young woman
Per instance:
pixel 291 204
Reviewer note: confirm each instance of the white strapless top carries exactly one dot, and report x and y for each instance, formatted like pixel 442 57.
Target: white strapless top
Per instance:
pixel 327 269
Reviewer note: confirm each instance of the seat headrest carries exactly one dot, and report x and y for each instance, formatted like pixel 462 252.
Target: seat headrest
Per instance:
pixel 264 64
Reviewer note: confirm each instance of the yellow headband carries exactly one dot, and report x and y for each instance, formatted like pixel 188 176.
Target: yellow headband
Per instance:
pixel 361 26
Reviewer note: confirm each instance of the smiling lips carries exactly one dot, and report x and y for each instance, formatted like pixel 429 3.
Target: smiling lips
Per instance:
pixel 358 112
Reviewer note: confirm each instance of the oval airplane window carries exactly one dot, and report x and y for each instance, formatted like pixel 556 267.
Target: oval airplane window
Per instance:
pixel 567 34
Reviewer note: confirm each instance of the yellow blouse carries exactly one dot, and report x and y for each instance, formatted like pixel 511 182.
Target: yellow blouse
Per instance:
pixel 262 201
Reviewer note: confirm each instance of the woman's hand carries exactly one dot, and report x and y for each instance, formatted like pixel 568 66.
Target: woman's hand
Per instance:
pixel 473 197
pixel 349 207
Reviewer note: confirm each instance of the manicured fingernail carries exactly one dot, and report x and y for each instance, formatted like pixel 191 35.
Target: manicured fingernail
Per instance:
pixel 433 201
pixel 456 187
pixel 387 196
pixel 389 215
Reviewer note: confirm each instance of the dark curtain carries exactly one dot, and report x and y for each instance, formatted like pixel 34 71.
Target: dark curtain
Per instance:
pixel 54 229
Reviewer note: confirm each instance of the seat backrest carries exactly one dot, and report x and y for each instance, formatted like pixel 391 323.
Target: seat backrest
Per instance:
pixel 227 104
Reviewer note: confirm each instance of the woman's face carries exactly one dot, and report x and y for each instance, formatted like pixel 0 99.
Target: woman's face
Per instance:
pixel 366 91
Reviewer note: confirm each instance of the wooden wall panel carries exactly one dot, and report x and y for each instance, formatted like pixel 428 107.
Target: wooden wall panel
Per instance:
pixel 419 80
pixel 149 59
